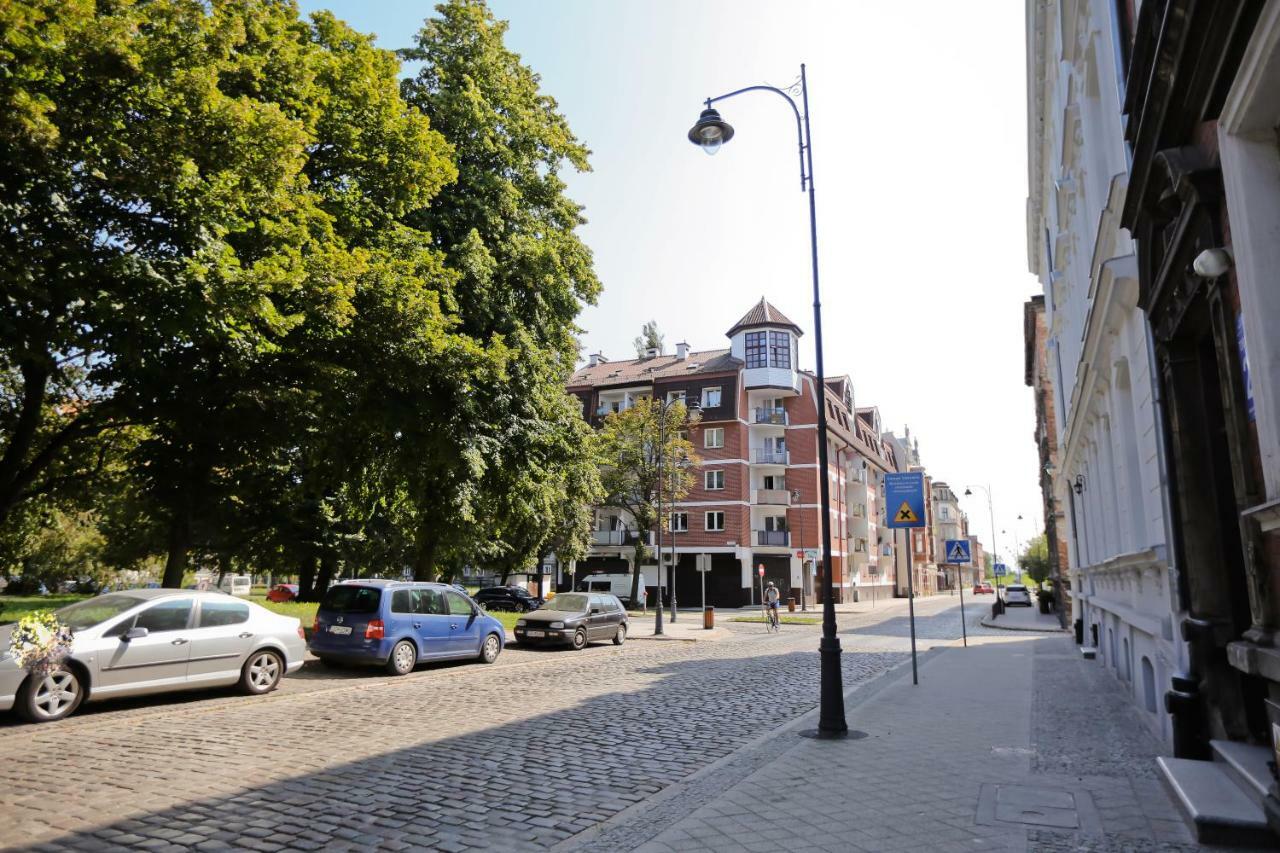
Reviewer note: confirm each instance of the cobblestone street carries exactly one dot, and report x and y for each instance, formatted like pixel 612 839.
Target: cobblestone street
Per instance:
pixel 525 753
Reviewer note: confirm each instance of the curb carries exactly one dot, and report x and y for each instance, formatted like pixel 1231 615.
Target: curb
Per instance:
pixel 989 624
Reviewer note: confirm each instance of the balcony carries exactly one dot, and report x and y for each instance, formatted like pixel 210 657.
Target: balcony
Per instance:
pixel 770 416
pixel 773 537
pixel 618 537
pixel 764 456
pixel 774 497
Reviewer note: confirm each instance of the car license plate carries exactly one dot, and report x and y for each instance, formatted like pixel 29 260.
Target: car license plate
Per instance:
pixel 535 633
pixel 339 629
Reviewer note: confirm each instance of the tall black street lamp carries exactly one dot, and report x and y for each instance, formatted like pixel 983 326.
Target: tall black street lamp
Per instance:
pixel 995 550
pixel 709 133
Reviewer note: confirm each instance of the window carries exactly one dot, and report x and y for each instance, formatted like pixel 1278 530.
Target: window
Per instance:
pixel 166 616
pixel 348 598
pixel 780 349
pixel 713 437
pixel 458 606
pixel 756 349
pixel 431 601
pixel 713 480
pixel 711 398
pixel 404 601
pixel 676 396
pixel 775 523
pixel 679 522
pixel 860 545
pixel 715 521
pixel 214 613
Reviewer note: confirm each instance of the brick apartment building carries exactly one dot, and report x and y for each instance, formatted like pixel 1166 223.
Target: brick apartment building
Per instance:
pixel 755 496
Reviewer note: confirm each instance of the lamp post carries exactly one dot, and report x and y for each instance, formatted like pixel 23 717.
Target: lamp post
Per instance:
pixel 995 550
pixel 710 132
pixel 664 406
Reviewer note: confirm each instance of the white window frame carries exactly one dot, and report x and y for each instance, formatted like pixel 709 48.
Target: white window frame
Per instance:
pixel 706 397
pixel 673 396
pixel 680 526
pixel 709 476
pixel 709 433
pixel 707 521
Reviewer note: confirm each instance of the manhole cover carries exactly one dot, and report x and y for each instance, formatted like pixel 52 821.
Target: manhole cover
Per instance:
pixel 1032 806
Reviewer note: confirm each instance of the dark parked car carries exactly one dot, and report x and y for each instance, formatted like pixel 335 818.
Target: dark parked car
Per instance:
pixel 508 598
pixel 397 624
pixel 575 618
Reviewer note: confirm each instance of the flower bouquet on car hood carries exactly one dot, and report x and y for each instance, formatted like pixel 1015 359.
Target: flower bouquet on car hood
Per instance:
pixel 39 643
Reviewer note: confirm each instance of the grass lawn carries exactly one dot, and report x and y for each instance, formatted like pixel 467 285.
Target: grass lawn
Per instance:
pixel 785 619
pixel 305 611
pixel 14 607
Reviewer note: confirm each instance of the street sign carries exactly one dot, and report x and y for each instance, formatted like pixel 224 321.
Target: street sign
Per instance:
pixel 760 571
pixel 1000 569
pixel 904 496
pixel 812 553
pixel 957 551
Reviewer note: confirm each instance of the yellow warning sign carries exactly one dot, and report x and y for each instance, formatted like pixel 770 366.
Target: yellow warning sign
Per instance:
pixel 905 513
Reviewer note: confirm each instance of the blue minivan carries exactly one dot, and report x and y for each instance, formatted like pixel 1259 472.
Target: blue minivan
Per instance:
pixel 397 624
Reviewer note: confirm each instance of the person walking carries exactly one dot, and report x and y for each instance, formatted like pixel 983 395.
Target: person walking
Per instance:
pixel 644 600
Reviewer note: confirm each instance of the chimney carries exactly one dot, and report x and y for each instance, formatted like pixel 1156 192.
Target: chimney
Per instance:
pixel 652 352
pixel 682 351
pixel 597 358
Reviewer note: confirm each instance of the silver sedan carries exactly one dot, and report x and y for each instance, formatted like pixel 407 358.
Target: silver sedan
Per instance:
pixel 152 641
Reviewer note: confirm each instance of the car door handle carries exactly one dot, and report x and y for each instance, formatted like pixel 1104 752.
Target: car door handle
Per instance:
pixel 453 626
pixel 179 642
pixel 244 635
pixel 417 624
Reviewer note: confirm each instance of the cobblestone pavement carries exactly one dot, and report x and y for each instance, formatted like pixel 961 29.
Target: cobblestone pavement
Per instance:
pixel 519 755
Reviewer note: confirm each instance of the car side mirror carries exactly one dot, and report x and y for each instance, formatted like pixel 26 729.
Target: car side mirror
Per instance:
pixel 135 634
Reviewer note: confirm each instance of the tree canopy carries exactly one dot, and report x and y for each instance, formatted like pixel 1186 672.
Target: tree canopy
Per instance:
pixel 302 314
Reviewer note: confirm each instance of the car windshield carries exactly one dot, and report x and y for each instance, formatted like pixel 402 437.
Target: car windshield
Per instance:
pixel 346 598
pixel 567 603
pixel 93 611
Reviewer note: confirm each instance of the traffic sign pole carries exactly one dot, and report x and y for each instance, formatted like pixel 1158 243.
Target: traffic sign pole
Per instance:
pixel 964 630
pixel 904 494
pixel 911 608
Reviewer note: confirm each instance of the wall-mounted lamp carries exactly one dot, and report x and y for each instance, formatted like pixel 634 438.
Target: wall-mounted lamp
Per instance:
pixel 1079 486
pixel 1212 263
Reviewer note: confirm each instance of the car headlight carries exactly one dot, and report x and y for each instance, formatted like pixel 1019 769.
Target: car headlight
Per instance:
pixel 556 625
pixel 520 623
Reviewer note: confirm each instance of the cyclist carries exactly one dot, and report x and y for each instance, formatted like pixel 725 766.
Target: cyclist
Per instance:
pixel 771 598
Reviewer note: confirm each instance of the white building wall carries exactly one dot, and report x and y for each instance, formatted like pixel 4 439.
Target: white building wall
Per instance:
pixel 1098 347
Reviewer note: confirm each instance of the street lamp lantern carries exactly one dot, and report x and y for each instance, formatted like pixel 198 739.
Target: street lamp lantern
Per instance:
pixel 710 131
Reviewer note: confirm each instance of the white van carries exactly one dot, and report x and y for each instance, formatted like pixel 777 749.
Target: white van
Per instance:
pixel 617 583
pixel 236 585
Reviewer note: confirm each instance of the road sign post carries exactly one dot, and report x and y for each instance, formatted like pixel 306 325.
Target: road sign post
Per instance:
pixel 957 554
pixel 904 498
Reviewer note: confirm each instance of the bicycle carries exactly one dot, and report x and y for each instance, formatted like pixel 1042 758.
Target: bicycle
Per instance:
pixel 771 619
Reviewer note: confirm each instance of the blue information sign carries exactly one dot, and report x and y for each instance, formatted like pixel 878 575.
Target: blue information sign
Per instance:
pixel 1000 569
pixel 904 499
pixel 957 552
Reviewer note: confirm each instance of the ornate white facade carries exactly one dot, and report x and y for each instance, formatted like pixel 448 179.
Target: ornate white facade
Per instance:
pixel 1111 457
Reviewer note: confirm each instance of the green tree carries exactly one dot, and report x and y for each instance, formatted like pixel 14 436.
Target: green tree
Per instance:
pixel 650 338
pixel 634 445
pixel 1035 559
pixel 509 231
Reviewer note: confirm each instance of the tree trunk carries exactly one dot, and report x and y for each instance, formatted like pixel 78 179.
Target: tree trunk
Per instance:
pixel 328 562
pixel 307 579
pixel 635 569
pixel 179 546
pixel 424 560
pixel 35 379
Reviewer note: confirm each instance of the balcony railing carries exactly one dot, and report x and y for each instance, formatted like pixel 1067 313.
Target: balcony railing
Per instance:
pixel 618 537
pixel 776 497
pixel 764 456
pixel 770 416
pixel 773 537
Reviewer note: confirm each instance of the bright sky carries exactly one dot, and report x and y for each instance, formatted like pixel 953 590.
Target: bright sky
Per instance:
pixel 918 115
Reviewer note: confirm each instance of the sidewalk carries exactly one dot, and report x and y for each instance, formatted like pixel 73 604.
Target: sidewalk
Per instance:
pixel 1023 619
pixel 1015 743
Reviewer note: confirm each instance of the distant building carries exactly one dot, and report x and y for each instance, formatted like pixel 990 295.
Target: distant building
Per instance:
pixel 755 499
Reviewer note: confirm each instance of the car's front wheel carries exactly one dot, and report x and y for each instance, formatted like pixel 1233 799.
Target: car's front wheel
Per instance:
pixel 262 672
pixel 52 697
pixel 403 657
pixel 490 648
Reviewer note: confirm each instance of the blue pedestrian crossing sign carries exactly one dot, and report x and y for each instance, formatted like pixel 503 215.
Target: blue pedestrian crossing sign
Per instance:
pixel 957 552
pixel 904 499
pixel 1000 569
